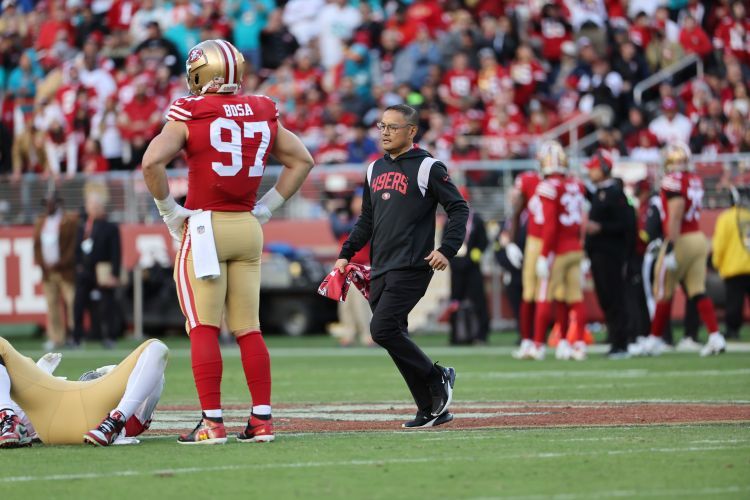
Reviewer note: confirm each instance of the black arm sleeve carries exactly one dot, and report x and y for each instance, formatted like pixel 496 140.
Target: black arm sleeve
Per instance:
pixel 362 231
pixel 653 223
pixel 455 206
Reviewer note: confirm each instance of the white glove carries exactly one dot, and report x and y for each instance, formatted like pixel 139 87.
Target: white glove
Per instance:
pixel 670 262
pixel 515 255
pixel 262 213
pixel 267 204
pixel 49 362
pixel 542 267
pixel 174 215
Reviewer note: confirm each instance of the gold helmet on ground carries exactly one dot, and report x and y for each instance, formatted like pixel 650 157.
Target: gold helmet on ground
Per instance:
pixel 676 156
pixel 214 66
pixel 552 158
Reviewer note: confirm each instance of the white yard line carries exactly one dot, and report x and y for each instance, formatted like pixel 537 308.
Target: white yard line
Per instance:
pixel 345 463
pixel 711 491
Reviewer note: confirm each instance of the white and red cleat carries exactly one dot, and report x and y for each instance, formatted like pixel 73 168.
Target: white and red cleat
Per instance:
pixel 257 431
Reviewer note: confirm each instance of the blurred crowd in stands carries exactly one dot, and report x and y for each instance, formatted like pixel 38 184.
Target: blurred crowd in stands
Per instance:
pixel 84 83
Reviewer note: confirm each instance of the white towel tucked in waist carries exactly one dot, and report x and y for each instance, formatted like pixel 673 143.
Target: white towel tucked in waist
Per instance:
pixel 205 260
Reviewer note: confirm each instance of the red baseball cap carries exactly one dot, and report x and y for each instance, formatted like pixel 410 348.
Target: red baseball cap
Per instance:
pixel 601 159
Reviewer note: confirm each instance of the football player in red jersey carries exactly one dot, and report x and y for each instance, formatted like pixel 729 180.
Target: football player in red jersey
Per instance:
pixel 227 138
pixel 524 198
pixel 558 266
pixel 684 252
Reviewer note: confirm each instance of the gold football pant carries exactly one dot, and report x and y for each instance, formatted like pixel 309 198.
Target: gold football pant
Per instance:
pixel 691 252
pixel 564 282
pixel 62 411
pixel 239 244
pixel 530 282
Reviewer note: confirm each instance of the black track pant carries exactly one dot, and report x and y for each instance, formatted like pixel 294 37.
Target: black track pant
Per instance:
pixel 101 308
pixel 738 287
pixel 392 296
pixel 609 280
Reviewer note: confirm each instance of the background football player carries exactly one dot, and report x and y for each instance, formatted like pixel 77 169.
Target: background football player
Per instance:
pixel 683 254
pixel 227 138
pixel 558 266
pixel 524 198
pixel 62 412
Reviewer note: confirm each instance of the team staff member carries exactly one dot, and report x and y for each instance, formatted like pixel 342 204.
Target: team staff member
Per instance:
pixel 610 226
pixel 731 256
pixel 227 138
pixel 401 194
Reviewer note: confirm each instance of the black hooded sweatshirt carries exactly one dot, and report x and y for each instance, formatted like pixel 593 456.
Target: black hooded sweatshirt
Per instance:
pixel 399 202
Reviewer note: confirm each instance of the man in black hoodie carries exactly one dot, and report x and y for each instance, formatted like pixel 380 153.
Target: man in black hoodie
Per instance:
pixel 401 194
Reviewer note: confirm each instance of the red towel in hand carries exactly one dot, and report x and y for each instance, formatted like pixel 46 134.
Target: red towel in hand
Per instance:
pixel 335 286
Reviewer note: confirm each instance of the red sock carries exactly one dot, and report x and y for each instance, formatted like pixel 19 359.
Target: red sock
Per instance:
pixel 579 313
pixel 207 365
pixel 526 321
pixel 542 317
pixel 708 314
pixel 661 315
pixel 561 317
pixel 257 365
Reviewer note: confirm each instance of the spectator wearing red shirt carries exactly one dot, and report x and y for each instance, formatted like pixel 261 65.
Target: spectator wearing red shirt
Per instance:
pixel 332 150
pixel 427 12
pixel 492 78
pixel 526 74
pixel 48 31
pixel 120 15
pixel 553 29
pixel 693 39
pixel 93 161
pixel 213 17
pixel 139 122
pixel 458 89
pixel 733 34
pixel 709 140
pixel 640 31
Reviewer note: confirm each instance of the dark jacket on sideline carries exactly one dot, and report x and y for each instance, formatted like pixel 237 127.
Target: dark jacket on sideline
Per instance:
pixel 398 212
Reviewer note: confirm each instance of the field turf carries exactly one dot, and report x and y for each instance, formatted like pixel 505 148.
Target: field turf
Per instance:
pixel 686 460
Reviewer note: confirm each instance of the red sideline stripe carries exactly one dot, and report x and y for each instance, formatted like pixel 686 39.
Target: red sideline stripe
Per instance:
pixel 191 297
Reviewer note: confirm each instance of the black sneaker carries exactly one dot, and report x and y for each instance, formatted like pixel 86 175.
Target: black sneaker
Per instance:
pixel 424 420
pixel 441 389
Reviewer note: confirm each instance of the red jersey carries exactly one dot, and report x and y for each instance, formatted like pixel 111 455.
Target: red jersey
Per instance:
pixel 688 186
pixel 526 184
pixel 229 143
pixel 562 203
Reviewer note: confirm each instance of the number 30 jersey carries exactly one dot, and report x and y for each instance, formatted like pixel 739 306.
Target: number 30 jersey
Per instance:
pixel 229 140
pixel 563 204
pixel 688 186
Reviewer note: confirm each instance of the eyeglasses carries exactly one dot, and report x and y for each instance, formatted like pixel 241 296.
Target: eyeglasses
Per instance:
pixel 391 127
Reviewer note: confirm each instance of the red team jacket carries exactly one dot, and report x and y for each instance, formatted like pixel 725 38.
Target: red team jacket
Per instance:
pixel 688 186
pixel 230 137
pixel 527 183
pixel 562 203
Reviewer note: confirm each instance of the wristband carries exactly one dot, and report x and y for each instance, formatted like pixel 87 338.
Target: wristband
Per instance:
pixel 166 205
pixel 272 199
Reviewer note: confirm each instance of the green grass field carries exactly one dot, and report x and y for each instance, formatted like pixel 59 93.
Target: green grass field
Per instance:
pixel 709 460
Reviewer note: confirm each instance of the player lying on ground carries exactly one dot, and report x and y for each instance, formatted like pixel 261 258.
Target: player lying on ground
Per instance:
pixel 34 403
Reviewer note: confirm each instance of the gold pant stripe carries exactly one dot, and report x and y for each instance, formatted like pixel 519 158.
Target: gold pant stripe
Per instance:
pixel 62 411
